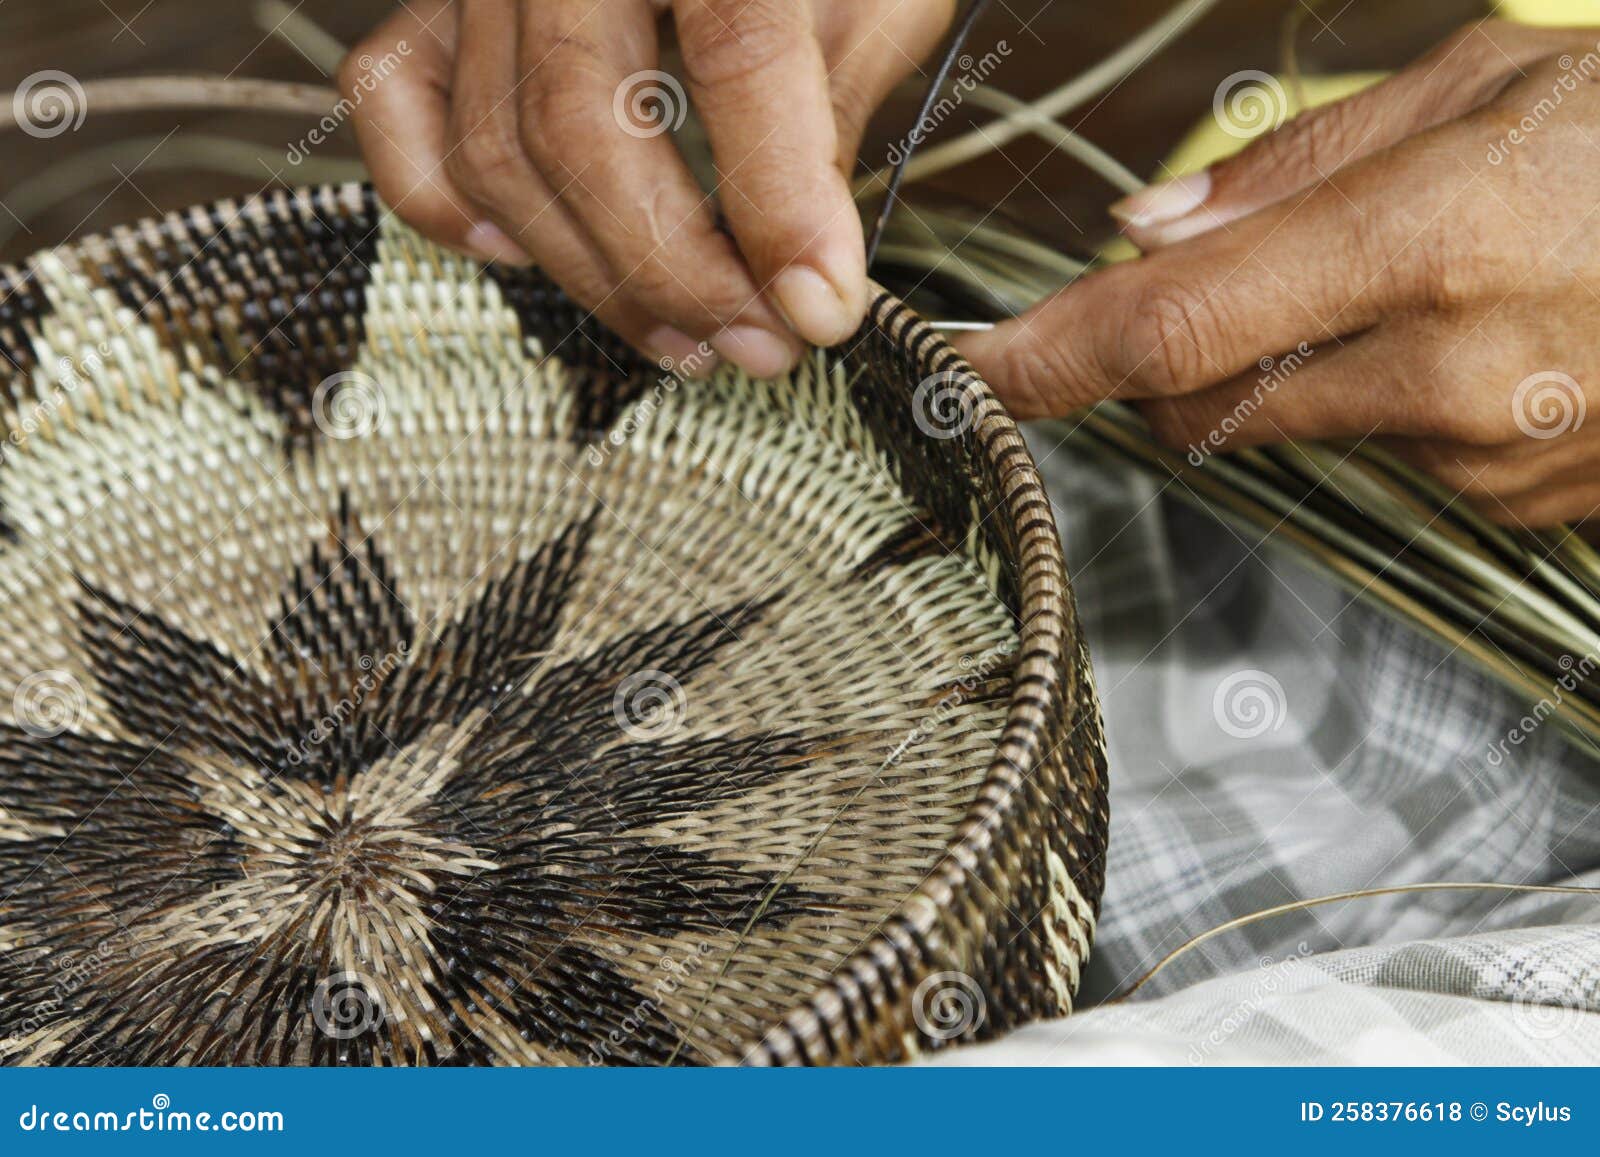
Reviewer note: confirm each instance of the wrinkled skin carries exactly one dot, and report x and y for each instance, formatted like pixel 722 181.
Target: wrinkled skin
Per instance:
pixel 1419 263
pixel 1433 241
pixel 502 133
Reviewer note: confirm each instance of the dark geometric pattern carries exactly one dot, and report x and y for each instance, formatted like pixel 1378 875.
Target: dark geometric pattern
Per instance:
pixel 459 836
pixel 609 375
pixel 288 318
pixel 443 812
pixel 22 306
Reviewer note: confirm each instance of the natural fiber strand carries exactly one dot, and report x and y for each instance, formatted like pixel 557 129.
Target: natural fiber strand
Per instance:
pixel 1336 898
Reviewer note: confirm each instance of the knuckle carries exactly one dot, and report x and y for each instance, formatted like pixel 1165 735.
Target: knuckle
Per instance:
pixel 1428 271
pixel 1474 472
pixel 486 160
pixel 654 281
pixel 699 305
pixel 1487 49
pixel 852 98
pixel 348 77
pixel 1462 38
pixel 1444 287
pixel 1392 260
pixel 1161 346
pixel 559 142
pixel 1512 516
pixel 561 108
pixel 1466 67
pixel 728 41
pixel 1029 379
pixel 1444 276
pixel 1322 140
pixel 1040 377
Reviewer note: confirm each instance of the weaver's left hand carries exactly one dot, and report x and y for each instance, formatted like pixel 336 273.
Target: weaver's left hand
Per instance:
pixel 1419 263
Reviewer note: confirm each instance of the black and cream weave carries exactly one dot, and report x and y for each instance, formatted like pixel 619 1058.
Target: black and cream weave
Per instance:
pixel 400 671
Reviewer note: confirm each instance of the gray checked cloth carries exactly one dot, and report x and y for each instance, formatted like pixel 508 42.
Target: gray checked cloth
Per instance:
pixel 1274 740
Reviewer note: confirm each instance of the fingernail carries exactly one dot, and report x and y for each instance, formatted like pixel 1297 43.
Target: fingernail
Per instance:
pixel 488 241
pixel 812 305
pixel 1202 220
pixel 759 352
pixel 1163 203
pixel 678 352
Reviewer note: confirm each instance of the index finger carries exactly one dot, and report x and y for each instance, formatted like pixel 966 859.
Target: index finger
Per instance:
pixel 759 79
pixel 1323 265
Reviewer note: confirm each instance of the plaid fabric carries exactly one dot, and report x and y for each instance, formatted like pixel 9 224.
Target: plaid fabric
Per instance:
pixel 1272 739
pixel 1503 998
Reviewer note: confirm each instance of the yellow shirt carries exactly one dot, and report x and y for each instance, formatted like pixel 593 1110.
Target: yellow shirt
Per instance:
pixel 1208 143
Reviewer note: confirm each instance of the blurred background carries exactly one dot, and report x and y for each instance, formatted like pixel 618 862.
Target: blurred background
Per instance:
pixel 118 167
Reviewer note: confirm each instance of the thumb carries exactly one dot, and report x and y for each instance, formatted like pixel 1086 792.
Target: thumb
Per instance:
pixel 1456 77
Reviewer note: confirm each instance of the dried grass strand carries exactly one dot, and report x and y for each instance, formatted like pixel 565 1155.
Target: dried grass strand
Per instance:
pixel 1084 87
pixel 189 90
pixel 1338 897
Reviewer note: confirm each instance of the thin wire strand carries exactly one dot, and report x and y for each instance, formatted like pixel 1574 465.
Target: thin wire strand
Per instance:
pixel 898 172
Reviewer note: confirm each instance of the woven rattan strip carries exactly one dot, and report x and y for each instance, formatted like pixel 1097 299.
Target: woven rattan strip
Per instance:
pixel 401 671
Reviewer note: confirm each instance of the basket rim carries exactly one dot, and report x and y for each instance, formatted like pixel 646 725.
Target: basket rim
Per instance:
pixel 1049 656
pixel 1049 664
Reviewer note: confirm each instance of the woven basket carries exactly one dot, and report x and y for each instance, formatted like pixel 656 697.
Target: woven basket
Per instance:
pixel 399 670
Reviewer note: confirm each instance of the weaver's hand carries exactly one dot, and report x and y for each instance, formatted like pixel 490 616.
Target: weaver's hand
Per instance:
pixel 535 130
pixel 1420 262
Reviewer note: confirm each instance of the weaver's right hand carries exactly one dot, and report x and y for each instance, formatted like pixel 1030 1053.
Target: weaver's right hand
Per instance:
pixel 520 131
